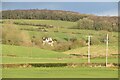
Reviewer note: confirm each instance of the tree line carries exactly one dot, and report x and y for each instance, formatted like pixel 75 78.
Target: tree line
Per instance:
pixel 98 23
pixel 42 14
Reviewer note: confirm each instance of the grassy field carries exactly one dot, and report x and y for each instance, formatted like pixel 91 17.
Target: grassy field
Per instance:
pixel 12 54
pixel 60 72
pixel 21 51
pixel 63 28
pixel 101 50
pixel 17 60
pixel 56 23
pixel 21 54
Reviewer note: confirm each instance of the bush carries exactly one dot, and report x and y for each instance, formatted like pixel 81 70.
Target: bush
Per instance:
pixel 85 23
pixel 62 46
pixel 71 44
pixel 13 36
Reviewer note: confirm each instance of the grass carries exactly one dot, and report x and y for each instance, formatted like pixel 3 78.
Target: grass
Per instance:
pixel 64 31
pixel 35 55
pixel 60 72
pixel 75 33
pixel 56 23
pixel 20 54
pixel 95 50
pixel 18 60
pixel 21 51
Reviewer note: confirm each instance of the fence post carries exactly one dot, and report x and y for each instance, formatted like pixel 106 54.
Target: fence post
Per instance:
pixel 106 50
pixel 89 40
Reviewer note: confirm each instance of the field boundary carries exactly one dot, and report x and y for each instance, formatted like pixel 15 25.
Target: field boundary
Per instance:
pixel 60 65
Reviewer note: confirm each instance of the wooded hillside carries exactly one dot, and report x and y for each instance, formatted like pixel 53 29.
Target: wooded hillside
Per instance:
pixel 85 21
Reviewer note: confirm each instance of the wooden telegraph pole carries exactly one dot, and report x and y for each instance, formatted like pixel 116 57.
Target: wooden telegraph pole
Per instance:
pixel 89 40
pixel 106 50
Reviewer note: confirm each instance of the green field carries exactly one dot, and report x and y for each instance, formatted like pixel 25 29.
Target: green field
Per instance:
pixel 13 54
pixel 60 72
pixel 21 51
pixel 63 28
pixel 19 54
pixel 101 50
pixel 56 23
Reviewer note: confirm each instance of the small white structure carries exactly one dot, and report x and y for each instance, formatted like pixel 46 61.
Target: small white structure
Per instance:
pixel 48 40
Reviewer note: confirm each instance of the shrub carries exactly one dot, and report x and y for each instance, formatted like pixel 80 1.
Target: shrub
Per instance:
pixel 63 46
pixel 85 23
pixel 13 36
pixel 71 44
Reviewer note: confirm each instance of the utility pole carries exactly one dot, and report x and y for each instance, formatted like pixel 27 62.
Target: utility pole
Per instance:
pixel 106 50
pixel 89 40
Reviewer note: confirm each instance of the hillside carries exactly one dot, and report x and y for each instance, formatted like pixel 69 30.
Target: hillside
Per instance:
pixel 21 51
pixel 20 54
pixel 93 22
pixel 50 40
pixel 66 37
pixel 101 50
